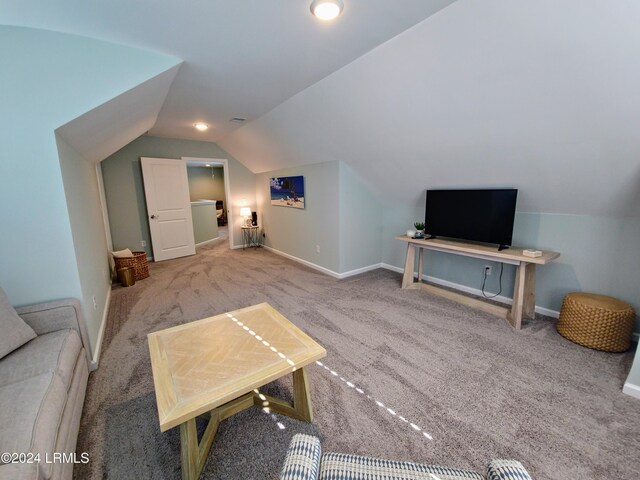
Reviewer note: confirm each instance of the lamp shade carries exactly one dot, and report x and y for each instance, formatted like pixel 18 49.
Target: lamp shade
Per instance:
pixel 245 212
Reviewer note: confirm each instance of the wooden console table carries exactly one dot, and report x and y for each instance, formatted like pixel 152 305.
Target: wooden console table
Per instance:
pixel 523 289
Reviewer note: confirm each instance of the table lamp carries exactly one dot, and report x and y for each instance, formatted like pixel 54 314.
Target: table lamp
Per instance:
pixel 245 212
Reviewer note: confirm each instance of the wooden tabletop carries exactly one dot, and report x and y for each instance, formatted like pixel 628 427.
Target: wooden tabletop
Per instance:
pixel 511 253
pixel 201 365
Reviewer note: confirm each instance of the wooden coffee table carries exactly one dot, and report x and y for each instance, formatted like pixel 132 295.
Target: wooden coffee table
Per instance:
pixel 215 366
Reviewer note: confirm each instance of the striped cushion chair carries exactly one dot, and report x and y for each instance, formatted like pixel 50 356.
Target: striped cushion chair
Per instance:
pixel 304 461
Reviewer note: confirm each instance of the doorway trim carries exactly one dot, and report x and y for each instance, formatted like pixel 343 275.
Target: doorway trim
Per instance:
pixel 227 188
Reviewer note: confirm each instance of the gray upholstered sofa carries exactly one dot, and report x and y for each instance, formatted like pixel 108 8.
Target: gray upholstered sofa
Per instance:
pixel 42 387
pixel 305 461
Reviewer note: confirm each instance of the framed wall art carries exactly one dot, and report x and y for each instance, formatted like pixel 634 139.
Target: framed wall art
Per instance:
pixel 287 192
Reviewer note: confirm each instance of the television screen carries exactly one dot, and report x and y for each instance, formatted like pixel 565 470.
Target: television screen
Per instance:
pixel 477 215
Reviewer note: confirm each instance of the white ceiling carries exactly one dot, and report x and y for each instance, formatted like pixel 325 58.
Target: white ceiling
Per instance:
pixel 543 96
pixel 242 58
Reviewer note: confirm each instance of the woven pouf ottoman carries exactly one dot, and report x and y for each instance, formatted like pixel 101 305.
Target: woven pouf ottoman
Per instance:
pixel 596 321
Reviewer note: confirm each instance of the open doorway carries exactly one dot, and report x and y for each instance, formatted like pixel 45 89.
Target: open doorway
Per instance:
pixel 209 193
pixel 125 205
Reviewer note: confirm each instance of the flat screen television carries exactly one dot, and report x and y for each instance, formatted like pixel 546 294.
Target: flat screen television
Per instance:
pixel 477 215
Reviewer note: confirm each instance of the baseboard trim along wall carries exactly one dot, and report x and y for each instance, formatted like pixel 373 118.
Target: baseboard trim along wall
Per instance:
pixel 324 270
pixel 476 291
pixel 438 281
pixel 473 291
pixel 206 242
pixel 103 324
pixel 632 390
pixel 358 271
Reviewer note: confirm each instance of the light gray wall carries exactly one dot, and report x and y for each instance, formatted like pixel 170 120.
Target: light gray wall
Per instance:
pixel 297 232
pixel 361 219
pixel 598 254
pixel 634 374
pixel 48 79
pixel 203 186
pixel 124 189
pixel 89 237
pixel 342 216
pixel 205 223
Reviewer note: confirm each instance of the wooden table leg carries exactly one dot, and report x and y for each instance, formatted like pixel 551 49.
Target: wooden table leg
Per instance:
pixel 300 409
pixel 420 263
pixel 189 450
pixel 529 309
pixel 524 295
pixel 193 453
pixel 409 264
pixel 301 395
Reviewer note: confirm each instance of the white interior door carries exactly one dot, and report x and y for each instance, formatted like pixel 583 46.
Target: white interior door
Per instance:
pixel 169 208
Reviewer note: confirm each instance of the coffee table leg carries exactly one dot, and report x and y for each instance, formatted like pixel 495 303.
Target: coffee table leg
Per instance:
pixel 194 453
pixel 300 409
pixel 301 395
pixel 189 450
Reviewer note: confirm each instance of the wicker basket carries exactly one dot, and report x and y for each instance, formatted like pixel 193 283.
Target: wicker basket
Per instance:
pixel 138 262
pixel 596 321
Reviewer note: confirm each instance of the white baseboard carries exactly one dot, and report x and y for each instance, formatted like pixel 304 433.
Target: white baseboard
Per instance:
pixel 96 355
pixel 632 390
pixel 438 281
pixel 303 262
pixel 206 241
pixel 358 271
pixel 474 291
pixel 324 270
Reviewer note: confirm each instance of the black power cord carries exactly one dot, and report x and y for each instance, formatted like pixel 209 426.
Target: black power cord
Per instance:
pixel 484 280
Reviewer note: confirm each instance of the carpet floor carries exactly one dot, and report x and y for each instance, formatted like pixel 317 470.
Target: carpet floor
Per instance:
pixel 459 387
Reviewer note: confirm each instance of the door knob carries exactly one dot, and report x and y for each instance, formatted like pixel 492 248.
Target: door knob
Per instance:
pixel 153 217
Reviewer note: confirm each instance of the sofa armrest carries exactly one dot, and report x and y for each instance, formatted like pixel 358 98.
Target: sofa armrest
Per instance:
pixel 303 458
pixel 21 471
pixel 57 315
pixel 507 470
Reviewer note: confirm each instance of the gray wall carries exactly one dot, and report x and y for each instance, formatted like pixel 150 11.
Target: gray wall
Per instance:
pixel 297 232
pixel 361 217
pixel 342 216
pixel 89 237
pixel 634 374
pixel 203 186
pixel 205 223
pixel 124 189
pixel 48 79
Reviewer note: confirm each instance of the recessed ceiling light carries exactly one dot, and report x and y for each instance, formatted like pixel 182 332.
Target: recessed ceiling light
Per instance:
pixel 201 126
pixel 326 9
pixel 207 165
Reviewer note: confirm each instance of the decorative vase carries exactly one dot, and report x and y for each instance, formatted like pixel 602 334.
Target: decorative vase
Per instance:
pixel 411 233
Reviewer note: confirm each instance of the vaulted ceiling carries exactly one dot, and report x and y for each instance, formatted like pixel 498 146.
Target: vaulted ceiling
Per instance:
pixel 542 96
pixel 241 58
pixel 538 95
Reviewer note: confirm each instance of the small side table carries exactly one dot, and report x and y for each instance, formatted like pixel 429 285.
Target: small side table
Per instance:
pixel 250 236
